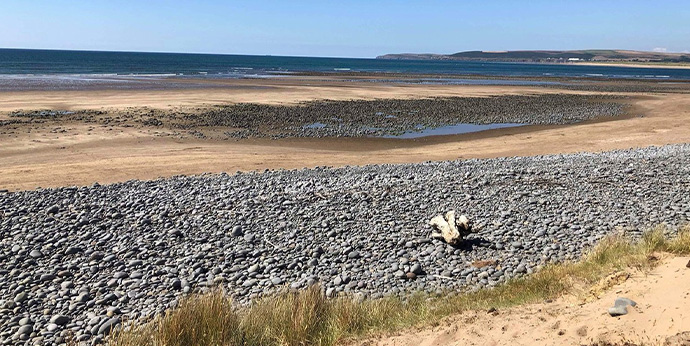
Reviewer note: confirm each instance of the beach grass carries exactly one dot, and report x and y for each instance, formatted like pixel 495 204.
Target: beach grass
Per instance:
pixel 307 317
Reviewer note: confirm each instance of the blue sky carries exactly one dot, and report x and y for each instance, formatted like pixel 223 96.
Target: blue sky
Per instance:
pixel 355 28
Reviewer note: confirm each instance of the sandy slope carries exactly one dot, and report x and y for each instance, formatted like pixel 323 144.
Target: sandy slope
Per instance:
pixel 663 298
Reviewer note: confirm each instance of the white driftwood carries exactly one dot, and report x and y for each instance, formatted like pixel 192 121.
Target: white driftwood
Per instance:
pixel 449 229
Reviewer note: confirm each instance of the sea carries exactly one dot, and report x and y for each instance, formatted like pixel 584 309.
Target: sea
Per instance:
pixel 44 68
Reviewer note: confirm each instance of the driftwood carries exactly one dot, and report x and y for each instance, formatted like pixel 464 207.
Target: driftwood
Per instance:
pixel 449 229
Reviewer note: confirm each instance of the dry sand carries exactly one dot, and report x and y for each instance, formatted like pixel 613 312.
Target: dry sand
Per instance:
pixel 663 297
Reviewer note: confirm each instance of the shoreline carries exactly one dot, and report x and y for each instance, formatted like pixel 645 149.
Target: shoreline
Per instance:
pixel 635 65
pixel 132 84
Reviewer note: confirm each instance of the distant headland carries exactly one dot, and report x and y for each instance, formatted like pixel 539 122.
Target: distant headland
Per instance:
pixel 554 56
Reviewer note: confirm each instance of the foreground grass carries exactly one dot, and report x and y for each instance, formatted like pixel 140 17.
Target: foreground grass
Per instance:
pixel 308 318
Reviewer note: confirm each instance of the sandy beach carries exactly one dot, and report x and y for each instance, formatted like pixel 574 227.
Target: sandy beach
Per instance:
pixel 263 91
pixel 76 153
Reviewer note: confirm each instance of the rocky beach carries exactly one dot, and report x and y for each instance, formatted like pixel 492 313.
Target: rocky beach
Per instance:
pixel 331 118
pixel 377 174
pixel 77 261
pixel 82 258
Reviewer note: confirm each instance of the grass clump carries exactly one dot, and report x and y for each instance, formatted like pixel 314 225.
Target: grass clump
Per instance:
pixel 208 319
pixel 308 318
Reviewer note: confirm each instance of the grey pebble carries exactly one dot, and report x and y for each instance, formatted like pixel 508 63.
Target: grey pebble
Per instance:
pixel 25 329
pixel 237 231
pixel 59 319
pixel 108 326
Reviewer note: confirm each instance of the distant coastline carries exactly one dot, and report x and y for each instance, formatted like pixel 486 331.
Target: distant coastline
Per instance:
pixel 669 65
pixel 592 57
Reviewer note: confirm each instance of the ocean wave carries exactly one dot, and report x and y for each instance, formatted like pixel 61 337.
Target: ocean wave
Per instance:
pixel 147 75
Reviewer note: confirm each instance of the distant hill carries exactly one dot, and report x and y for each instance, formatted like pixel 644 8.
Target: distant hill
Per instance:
pixel 602 55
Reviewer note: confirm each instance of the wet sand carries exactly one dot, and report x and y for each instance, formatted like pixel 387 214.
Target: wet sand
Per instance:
pixel 272 91
pixel 81 154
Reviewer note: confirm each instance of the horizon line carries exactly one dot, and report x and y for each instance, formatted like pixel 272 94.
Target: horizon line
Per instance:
pixel 327 57
pixel 173 52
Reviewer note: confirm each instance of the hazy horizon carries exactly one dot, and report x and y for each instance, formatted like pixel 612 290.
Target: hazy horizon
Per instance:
pixel 358 29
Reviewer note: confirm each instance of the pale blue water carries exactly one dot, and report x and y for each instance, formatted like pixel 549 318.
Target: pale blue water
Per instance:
pixel 452 130
pixel 96 65
pixel 315 126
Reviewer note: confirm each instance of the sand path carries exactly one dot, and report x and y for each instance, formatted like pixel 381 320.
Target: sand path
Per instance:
pixel 663 296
